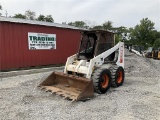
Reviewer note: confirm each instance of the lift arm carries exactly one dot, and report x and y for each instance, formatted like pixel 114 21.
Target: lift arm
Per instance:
pixel 99 60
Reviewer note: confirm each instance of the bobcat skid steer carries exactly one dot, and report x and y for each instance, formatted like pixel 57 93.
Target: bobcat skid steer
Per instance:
pixel 97 66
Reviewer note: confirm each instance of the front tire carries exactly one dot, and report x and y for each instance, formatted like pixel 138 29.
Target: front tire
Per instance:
pixel 102 80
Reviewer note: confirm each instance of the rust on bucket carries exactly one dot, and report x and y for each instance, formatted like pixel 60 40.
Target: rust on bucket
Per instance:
pixel 69 86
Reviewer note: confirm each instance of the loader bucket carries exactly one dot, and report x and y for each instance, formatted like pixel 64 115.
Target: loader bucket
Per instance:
pixel 69 86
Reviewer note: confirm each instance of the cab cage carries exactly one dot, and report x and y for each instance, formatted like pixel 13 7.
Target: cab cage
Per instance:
pixel 94 43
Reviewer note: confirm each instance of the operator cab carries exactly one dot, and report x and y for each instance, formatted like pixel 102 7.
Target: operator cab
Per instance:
pixel 94 43
pixel 87 46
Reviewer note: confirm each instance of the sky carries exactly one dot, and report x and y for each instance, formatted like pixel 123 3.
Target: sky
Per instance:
pixel 126 13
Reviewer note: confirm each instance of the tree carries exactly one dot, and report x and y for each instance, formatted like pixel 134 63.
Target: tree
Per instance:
pixel 90 24
pixel 80 24
pixel 41 18
pixel 120 30
pixel 107 25
pixel 71 23
pixel 30 15
pixel 19 15
pixel 65 23
pixel 156 43
pixel 121 33
pixel 143 34
pixel 97 27
pixel 157 34
pixel 49 18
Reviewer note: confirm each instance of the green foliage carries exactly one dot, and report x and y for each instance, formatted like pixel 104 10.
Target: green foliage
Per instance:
pixel 98 27
pixel 80 24
pixel 143 34
pixel 117 38
pixel 107 25
pixel 41 18
pixel 156 43
pixel 48 18
pixel 64 23
pixel 121 31
pixel 121 34
pixel 157 34
pixel 19 16
pixel 30 15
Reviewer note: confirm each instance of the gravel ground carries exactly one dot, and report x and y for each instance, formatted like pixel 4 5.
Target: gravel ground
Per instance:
pixel 137 99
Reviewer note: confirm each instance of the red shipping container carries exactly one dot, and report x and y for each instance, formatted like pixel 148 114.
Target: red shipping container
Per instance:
pixel 14 50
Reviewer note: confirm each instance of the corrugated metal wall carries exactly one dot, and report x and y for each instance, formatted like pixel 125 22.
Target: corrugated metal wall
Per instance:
pixel 14 51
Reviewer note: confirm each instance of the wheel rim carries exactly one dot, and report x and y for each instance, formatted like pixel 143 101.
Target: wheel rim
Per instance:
pixel 105 81
pixel 119 77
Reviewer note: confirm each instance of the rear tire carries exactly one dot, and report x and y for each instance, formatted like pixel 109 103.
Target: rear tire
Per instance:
pixel 101 79
pixel 117 76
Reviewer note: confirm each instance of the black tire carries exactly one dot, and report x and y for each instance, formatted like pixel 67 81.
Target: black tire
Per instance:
pixel 102 80
pixel 117 73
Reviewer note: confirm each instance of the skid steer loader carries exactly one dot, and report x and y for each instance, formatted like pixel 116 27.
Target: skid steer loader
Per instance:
pixel 156 54
pixel 149 53
pixel 97 66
